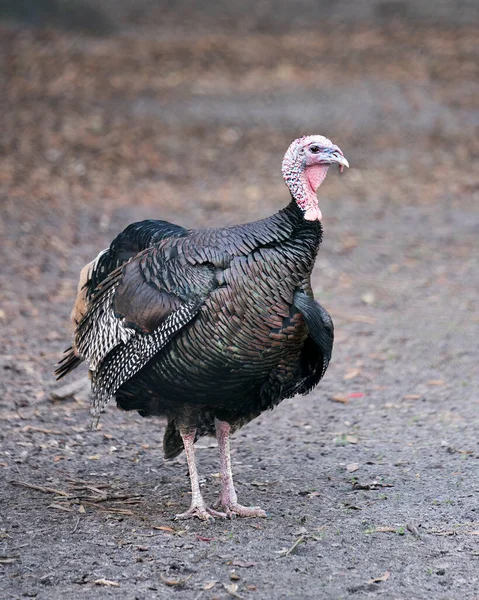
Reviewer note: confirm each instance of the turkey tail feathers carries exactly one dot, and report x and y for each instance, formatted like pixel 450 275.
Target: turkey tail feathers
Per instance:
pixel 68 363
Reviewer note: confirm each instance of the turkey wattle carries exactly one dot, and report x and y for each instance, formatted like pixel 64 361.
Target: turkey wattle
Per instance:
pixel 209 327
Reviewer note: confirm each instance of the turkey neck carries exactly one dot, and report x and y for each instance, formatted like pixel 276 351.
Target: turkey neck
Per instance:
pixel 293 233
pixel 295 215
pixel 306 236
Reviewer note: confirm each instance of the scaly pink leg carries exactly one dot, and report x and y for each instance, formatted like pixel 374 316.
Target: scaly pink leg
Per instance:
pixel 228 500
pixel 198 507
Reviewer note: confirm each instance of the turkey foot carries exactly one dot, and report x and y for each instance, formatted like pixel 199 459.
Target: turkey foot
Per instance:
pixel 233 509
pixel 228 500
pixel 201 512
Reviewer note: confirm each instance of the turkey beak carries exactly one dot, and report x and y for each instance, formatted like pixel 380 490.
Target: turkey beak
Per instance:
pixel 338 157
pixel 334 156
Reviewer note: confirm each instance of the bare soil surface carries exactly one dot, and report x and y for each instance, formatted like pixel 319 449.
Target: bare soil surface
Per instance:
pixel 371 482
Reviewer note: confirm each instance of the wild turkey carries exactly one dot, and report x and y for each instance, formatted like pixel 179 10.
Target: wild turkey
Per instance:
pixel 209 327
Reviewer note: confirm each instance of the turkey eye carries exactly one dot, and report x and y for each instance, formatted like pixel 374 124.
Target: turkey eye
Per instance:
pixel 314 149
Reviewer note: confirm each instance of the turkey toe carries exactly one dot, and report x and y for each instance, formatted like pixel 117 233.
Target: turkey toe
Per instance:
pixel 200 512
pixel 233 509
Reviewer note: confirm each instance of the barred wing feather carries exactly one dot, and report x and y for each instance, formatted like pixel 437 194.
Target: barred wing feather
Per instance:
pixel 135 312
pixel 129 357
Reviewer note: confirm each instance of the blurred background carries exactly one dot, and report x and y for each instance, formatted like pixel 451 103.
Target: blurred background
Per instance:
pixel 120 110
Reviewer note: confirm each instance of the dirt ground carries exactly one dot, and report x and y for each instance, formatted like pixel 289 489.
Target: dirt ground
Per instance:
pixel 371 482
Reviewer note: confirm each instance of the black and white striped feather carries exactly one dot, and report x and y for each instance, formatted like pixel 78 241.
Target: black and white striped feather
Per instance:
pixel 127 358
pixel 134 313
pixel 100 330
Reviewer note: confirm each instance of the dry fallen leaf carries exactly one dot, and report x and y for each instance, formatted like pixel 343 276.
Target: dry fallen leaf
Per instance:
pixel 94 457
pixel 351 374
pixel 243 563
pixel 384 577
pixel 232 588
pixel 106 582
pixel 209 586
pixel 174 582
pixel 436 382
pixel 339 398
pixel 451 450
pixel 164 528
pixel 386 529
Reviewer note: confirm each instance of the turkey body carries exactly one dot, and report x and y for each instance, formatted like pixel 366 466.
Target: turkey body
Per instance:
pixel 244 351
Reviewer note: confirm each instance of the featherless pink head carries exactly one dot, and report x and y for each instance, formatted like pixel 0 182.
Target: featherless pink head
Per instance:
pixel 305 165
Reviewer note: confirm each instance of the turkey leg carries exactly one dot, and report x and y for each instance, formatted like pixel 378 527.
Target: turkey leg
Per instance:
pixel 228 499
pixel 198 507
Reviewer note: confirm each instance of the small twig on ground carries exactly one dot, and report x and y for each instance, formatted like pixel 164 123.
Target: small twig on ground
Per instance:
pixel 283 553
pixel 94 489
pixel 76 525
pixel 113 498
pixel 116 511
pixel 40 488
pixel 28 428
pixel 106 582
pixel 83 483
pixel 384 577
pixel 7 560
pixel 60 507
